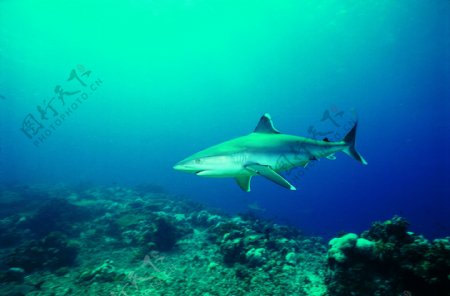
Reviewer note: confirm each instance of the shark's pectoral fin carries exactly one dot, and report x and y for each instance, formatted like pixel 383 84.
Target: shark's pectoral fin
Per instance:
pixel 244 182
pixel 269 174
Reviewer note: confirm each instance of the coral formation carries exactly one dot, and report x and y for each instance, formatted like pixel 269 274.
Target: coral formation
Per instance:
pixel 52 252
pixel 103 273
pixel 388 260
pixel 57 214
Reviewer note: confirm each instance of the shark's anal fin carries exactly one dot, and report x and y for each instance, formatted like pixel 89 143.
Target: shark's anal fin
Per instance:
pixel 269 174
pixel 244 182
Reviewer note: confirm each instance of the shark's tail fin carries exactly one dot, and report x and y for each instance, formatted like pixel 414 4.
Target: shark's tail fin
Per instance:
pixel 349 139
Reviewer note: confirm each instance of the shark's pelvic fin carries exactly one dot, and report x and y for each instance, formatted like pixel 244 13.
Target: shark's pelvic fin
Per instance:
pixel 269 174
pixel 331 157
pixel 265 125
pixel 244 182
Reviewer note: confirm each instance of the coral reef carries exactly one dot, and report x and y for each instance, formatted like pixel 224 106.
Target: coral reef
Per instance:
pixel 103 273
pixel 122 241
pixel 57 214
pixel 116 240
pixel 52 252
pixel 388 260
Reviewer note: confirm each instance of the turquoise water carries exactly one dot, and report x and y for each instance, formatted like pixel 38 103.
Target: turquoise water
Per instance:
pixel 161 80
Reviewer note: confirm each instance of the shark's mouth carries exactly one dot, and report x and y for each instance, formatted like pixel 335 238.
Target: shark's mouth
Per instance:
pixel 206 173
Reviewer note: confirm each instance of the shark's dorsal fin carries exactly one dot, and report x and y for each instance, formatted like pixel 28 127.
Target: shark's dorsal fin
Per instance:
pixel 265 126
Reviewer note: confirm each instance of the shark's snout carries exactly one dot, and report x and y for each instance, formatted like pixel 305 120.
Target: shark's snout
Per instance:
pixel 181 166
pixel 178 167
pixel 185 166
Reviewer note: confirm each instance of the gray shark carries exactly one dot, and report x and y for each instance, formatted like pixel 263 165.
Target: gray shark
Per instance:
pixel 265 152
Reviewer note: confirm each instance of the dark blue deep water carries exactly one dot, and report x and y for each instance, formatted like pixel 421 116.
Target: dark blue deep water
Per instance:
pixel 101 94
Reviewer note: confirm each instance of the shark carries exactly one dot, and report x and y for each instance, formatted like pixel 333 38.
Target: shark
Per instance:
pixel 265 152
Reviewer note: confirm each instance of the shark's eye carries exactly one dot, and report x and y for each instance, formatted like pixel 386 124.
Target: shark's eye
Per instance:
pixel 198 161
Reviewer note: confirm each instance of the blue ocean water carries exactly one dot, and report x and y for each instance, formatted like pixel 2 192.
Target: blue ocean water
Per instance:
pixel 118 94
